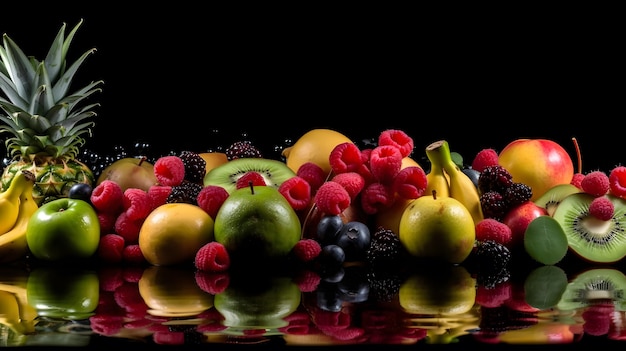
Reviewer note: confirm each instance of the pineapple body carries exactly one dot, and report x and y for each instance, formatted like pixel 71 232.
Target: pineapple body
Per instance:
pixel 53 179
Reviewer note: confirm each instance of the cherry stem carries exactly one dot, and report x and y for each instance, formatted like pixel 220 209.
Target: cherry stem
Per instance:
pixel 579 157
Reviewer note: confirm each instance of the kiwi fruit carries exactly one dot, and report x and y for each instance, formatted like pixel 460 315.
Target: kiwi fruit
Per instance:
pixel 545 240
pixel 553 197
pixel 225 175
pixel 592 239
pixel 595 285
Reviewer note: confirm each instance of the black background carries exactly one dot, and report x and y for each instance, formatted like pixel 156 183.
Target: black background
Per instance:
pixel 175 74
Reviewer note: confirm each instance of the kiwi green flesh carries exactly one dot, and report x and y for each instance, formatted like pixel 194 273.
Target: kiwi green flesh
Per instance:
pixel 592 286
pixel 274 172
pixel 592 239
pixel 553 197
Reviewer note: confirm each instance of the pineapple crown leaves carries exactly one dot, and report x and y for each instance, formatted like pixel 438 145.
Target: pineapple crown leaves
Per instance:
pixel 41 115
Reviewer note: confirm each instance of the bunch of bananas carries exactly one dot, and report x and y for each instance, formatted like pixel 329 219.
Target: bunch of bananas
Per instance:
pixel 16 208
pixel 17 317
pixel 447 179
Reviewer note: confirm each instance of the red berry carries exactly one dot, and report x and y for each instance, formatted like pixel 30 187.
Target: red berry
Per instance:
pixel 601 208
pixel 313 174
pixel 158 195
pixel 212 257
pixel 595 183
pixel 169 170
pixel 110 248
pixel 375 197
pixel 211 198
pixel 345 157
pixel 577 179
pixel 307 250
pixel 492 229
pixel 107 222
pixel 332 198
pixel 250 177
pixel 492 297
pixel 137 203
pixel 398 139
pixel 212 282
pixel 385 163
pixel 297 191
pixel 485 158
pixel 351 181
pixel 107 197
pixel 307 280
pixel 617 181
pixel 128 228
pixel 410 182
pixel 132 254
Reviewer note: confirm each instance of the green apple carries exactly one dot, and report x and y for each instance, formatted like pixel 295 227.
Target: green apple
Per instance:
pixel 130 172
pixel 63 291
pixel 63 229
pixel 257 221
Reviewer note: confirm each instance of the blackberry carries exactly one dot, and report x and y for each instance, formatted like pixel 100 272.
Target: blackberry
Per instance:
pixel 517 194
pixel 493 205
pixel 384 285
pixel 195 166
pixel 186 192
pixel 491 260
pixel 385 248
pixel 242 149
pixel 494 178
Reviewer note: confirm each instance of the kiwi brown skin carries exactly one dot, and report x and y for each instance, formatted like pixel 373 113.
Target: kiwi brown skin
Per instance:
pixel 592 239
pixel 274 172
pixel 553 197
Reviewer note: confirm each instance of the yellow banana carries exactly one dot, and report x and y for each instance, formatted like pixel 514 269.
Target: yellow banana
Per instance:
pixel 10 199
pixel 436 178
pixel 14 281
pixel 13 244
pixel 461 186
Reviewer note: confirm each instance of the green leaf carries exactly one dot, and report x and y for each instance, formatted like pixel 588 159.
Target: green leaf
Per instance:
pixel 545 240
pixel 544 287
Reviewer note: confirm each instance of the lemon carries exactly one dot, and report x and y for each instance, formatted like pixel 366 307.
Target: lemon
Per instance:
pixel 314 146
pixel 439 228
pixel 173 233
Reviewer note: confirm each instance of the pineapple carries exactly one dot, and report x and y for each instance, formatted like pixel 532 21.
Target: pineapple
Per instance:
pixel 44 121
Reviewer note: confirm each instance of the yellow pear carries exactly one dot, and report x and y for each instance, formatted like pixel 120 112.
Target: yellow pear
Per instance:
pixel 438 228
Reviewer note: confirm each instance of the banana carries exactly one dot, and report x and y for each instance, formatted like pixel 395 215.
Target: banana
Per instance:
pixel 13 244
pixel 436 179
pixel 461 186
pixel 9 199
pixel 14 281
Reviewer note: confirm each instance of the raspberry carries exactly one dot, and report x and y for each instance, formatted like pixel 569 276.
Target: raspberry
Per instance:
pixel 485 158
pixel 212 257
pixel 313 174
pixel 250 177
pixel 107 197
pixel 297 191
pixel 410 182
pixel 376 196
pixel 398 139
pixel 132 274
pixel 601 208
pixel 211 198
pixel 351 181
pixel 345 157
pixel 110 277
pixel 128 228
pixel 332 198
pixel 212 283
pixel 492 229
pixel 107 221
pixel 132 254
pixel 158 195
pixel 597 319
pixel 307 250
pixel 169 170
pixel 307 280
pixel 110 248
pixel 385 163
pixel 595 183
pixel 137 203
pixel 617 181
pixel 493 296
pixel 577 179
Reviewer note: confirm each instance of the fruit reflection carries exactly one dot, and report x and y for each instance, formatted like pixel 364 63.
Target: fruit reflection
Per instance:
pixel 173 292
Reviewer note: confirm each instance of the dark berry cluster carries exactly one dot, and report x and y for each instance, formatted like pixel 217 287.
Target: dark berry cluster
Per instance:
pixel 385 249
pixel 242 149
pixel 491 260
pixel 499 193
pixel 195 166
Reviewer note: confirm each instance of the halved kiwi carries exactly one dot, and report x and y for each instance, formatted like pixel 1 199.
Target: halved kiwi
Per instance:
pixel 553 197
pixel 274 172
pixel 595 285
pixel 593 239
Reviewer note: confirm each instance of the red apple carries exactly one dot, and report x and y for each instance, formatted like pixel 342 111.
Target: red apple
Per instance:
pixel 518 219
pixel 538 163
